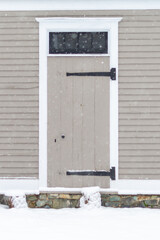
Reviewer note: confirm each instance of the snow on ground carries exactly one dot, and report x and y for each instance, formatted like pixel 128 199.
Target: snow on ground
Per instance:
pixel 79 224
pixel 4 206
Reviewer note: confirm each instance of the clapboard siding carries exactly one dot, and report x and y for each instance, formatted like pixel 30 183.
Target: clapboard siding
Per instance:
pixel 19 55
pixel 20 37
pixel 18 49
pixel 139 95
pixel 143 61
pixel 19 88
pixel 19 62
pixel 142 146
pixel 139 42
pixel 147 48
pixel 142 67
pixel 18 104
pixel 139 91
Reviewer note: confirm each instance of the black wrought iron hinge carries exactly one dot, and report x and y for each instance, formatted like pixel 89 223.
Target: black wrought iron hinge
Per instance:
pixel 111 74
pixel 111 173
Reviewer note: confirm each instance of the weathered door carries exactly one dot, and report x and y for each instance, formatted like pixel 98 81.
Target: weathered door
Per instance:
pixel 78 120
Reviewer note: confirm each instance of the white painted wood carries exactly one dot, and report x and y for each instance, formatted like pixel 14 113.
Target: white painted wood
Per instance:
pixel 42 106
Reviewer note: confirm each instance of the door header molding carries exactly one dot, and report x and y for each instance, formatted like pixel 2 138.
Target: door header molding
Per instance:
pixel 69 20
pixel 75 24
pixel 65 24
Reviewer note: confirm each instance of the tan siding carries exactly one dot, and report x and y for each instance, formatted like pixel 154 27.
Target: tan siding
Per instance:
pixel 20 55
pixel 139 95
pixel 143 61
pixel 143 67
pixel 19 62
pixel 19 96
pixel 20 37
pixel 137 48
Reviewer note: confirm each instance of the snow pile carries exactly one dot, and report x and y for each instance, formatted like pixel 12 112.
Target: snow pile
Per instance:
pixel 19 201
pixel 80 224
pixel 91 197
pixel 4 206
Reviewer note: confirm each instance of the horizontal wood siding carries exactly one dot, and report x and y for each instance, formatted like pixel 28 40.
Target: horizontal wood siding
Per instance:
pixel 139 91
pixel 19 87
pixel 139 95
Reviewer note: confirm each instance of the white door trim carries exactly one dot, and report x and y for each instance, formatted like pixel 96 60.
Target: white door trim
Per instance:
pixel 76 24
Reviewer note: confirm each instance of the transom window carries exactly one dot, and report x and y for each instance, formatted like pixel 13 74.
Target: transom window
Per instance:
pixel 78 42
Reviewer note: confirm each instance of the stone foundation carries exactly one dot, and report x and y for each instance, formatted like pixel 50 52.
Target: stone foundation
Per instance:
pixel 57 200
pixel 6 200
pixel 70 200
pixel 53 200
pixel 130 201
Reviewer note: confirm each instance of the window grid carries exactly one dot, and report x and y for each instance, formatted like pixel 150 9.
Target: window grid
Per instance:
pixel 78 42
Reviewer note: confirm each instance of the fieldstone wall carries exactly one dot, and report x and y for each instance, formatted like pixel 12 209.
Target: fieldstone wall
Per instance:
pixel 130 201
pixel 63 200
pixel 6 200
pixel 53 200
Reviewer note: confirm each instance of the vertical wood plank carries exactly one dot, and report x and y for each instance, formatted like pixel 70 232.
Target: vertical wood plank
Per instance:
pixel 81 113
pixel 53 123
pixel 66 124
pixel 77 130
pixel 102 123
pixel 88 129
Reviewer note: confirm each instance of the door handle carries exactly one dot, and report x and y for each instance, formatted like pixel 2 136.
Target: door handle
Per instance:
pixel 111 74
pixel 63 136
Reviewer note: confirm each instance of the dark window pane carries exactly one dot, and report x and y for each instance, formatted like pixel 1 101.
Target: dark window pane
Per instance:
pixel 81 42
pixel 71 42
pixel 99 42
pixel 57 43
pixel 85 42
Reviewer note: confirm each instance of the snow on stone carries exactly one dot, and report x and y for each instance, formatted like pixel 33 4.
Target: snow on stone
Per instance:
pixel 19 201
pixel 18 192
pixel 91 197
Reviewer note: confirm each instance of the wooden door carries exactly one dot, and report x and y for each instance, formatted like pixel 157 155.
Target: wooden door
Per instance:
pixel 78 121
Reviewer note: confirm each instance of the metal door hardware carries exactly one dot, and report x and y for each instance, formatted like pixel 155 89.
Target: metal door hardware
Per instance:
pixel 63 136
pixel 111 173
pixel 111 74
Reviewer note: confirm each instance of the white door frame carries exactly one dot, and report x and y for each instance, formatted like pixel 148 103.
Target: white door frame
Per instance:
pixel 76 25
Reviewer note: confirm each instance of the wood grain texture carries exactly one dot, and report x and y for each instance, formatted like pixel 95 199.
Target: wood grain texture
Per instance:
pixel 76 109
